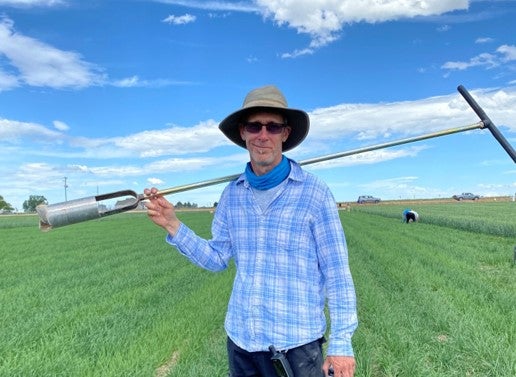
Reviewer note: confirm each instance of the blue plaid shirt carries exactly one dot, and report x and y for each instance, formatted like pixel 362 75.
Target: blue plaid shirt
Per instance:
pixel 289 259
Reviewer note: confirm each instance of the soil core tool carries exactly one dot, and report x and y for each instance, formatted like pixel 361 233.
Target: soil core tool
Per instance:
pixel 79 210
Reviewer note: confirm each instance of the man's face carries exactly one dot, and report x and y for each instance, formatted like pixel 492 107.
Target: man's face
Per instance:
pixel 265 148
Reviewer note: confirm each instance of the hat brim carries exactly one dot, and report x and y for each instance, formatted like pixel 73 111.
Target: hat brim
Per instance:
pixel 297 120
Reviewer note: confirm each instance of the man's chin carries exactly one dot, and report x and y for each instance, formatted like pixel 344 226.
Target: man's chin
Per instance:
pixel 263 159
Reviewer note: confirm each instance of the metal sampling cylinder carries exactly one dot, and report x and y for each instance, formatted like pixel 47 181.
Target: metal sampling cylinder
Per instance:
pixel 71 212
pixel 79 210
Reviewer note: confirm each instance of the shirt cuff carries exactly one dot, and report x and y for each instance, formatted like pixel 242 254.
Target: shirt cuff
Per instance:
pixel 341 346
pixel 175 240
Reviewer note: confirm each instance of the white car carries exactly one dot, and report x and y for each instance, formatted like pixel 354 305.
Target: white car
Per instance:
pixel 367 199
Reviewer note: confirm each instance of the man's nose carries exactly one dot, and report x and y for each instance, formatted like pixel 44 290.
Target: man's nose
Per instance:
pixel 263 132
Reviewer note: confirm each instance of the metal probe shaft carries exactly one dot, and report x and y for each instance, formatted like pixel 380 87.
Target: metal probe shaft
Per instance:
pixel 228 178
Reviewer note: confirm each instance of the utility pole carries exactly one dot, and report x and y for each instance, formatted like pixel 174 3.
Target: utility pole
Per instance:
pixel 65 187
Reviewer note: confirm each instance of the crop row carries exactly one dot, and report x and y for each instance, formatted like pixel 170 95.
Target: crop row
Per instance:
pixel 480 217
pixel 109 297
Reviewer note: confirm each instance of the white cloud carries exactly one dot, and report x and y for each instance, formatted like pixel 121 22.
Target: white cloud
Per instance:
pixel 503 54
pixel 372 157
pixel 370 122
pixel 180 20
pixel 128 82
pixel 34 63
pixel 508 53
pixel 136 82
pixel 155 181
pixel 13 131
pixel 32 3
pixel 484 40
pixel 482 60
pixel 173 140
pixel 237 6
pixel 297 53
pixel 8 81
pixel 61 126
pixel 322 20
pixel 39 64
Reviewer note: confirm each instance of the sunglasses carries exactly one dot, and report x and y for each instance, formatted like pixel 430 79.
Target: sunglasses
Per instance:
pixel 271 127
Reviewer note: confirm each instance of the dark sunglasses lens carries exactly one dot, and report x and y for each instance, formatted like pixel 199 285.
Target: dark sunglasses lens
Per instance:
pixel 274 128
pixel 255 127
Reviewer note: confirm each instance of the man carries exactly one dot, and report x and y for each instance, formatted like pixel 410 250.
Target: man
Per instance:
pixel 410 216
pixel 281 226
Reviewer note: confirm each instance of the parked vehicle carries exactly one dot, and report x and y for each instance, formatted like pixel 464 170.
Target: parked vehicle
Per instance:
pixel 466 196
pixel 367 199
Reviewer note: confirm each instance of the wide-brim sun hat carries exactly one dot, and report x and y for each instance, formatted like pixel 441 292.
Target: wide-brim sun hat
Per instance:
pixel 267 99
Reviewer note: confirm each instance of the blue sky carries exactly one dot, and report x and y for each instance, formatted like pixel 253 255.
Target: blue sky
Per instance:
pixel 118 95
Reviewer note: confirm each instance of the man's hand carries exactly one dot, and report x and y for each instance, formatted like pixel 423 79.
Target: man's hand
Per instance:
pixel 343 366
pixel 161 211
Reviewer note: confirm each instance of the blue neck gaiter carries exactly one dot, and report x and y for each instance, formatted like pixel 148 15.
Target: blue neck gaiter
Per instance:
pixel 270 179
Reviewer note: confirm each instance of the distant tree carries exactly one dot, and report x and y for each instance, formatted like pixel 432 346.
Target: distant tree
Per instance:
pixel 4 205
pixel 181 205
pixel 190 205
pixel 33 201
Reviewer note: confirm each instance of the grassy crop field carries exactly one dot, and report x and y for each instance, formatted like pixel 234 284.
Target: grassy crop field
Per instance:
pixel 109 298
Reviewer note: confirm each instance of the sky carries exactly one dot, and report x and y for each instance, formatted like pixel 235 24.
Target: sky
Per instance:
pixel 103 95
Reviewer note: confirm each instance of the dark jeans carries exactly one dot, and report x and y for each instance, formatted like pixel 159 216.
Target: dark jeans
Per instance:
pixel 305 361
pixel 410 216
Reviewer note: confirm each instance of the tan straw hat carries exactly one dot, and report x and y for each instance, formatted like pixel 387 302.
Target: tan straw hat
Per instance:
pixel 267 98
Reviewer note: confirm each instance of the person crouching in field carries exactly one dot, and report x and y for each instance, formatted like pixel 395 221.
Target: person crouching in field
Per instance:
pixel 410 216
pixel 281 226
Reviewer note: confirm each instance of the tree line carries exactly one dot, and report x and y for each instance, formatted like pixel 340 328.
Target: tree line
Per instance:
pixel 28 206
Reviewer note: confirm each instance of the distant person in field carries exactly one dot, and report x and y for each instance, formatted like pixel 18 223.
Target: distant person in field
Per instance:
pixel 410 216
pixel 281 226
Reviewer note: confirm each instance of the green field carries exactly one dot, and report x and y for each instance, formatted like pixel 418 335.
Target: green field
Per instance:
pixel 110 298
